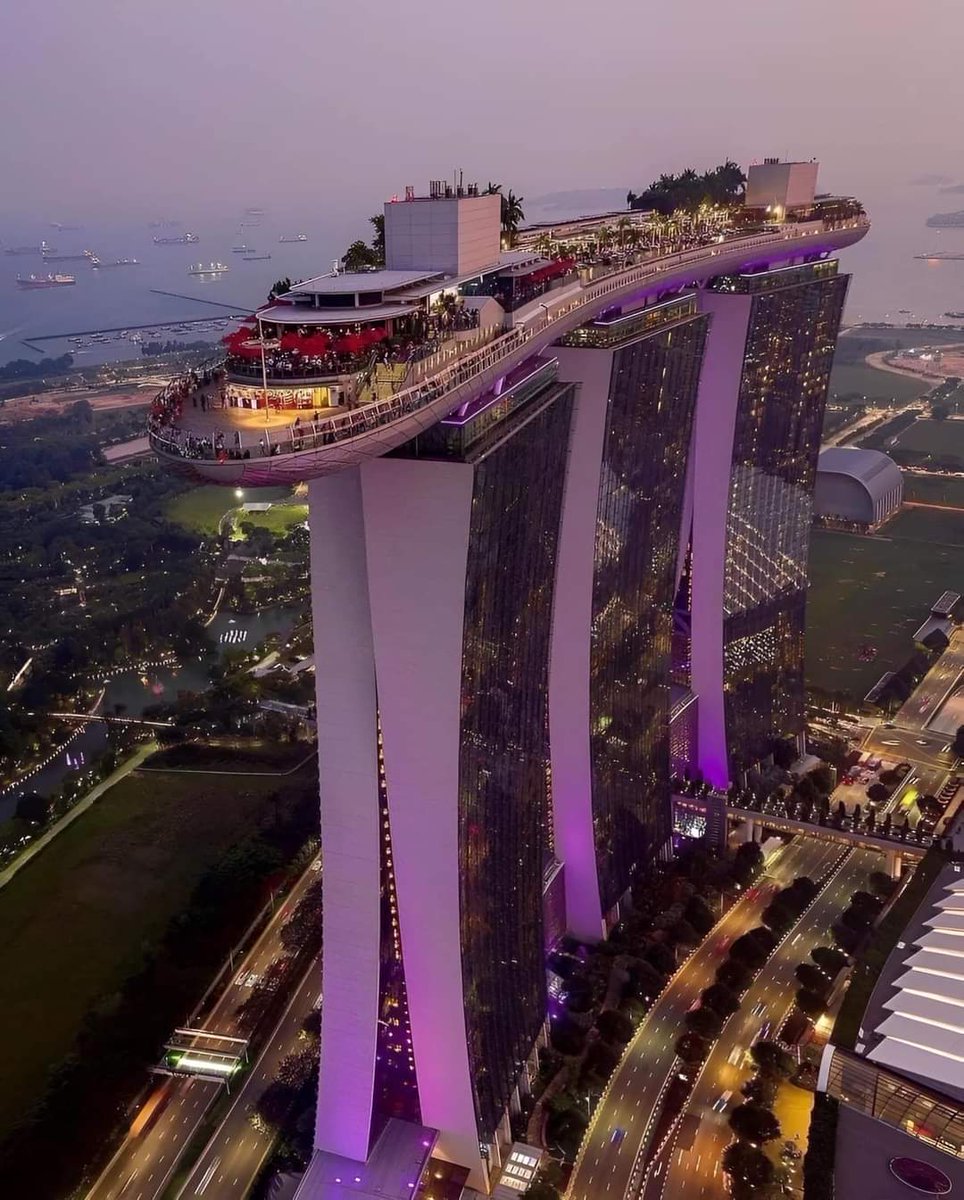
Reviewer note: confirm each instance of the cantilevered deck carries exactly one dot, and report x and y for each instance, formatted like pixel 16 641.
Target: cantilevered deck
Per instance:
pixel 263 447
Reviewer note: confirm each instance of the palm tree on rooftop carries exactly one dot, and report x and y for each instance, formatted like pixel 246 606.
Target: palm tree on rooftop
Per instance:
pixel 512 214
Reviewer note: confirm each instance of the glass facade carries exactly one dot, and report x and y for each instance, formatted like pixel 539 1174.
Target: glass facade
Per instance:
pixel 519 471
pixel 794 318
pixel 897 1101
pixel 652 399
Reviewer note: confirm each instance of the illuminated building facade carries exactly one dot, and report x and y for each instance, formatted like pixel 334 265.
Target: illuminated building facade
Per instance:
pixel 505 456
pixel 638 373
pixel 457 570
pixel 759 419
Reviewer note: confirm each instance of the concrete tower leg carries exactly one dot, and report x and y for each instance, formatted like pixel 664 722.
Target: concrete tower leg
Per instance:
pixel 348 770
pixel 712 458
pixel 569 697
pixel 417 523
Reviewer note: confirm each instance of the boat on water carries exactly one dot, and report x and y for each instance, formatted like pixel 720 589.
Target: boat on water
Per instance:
pixel 186 239
pixel 254 212
pixel 297 237
pixel 53 256
pixel 256 257
pixel 213 268
pixel 242 249
pixel 96 263
pixel 24 250
pixel 942 256
pixel 45 281
pixel 955 316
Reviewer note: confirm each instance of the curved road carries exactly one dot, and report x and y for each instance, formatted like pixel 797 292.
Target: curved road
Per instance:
pixel 690 1167
pixel 605 1171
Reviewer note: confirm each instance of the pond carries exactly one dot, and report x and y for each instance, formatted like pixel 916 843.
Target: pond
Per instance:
pixel 134 691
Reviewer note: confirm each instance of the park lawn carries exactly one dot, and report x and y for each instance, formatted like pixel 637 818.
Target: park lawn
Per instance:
pixel 201 509
pixel 870 383
pixel 934 489
pixel 929 525
pixel 82 917
pixel 276 758
pixel 278 519
pixel 874 590
pixel 943 438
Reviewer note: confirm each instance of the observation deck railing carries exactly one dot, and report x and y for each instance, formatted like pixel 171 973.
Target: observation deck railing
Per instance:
pixel 168 439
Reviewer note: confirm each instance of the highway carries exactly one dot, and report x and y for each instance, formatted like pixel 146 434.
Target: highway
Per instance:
pixel 236 1152
pixel 141 1168
pixel 605 1171
pixel 690 1166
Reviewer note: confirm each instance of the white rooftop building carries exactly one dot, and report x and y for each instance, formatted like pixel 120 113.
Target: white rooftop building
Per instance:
pixel 924 1033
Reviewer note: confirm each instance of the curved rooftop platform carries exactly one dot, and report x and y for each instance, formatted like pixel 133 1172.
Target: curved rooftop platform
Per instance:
pixel 261 447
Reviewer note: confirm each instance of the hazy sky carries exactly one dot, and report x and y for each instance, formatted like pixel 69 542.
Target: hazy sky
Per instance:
pixel 151 107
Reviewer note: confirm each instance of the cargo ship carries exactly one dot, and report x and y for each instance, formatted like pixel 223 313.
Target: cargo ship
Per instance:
pixel 241 249
pixel 256 258
pixel 217 268
pixel 118 262
pixel 941 256
pixel 298 237
pixel 24 250
pixel 186 239
pixel 45 281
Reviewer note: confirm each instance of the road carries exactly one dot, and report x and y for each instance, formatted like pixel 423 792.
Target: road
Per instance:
pixel 236 1152
pixel 142 1166
pixel 921 707
pixel 604 1171
pixel 690 1167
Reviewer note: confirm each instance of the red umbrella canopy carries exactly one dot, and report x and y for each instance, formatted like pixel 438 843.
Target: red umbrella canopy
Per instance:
pixel 293 341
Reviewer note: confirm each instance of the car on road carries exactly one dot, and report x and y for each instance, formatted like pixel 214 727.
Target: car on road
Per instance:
pixel 617 1137
pixel 722 1100
pixel 735 1055
pixel 758 1009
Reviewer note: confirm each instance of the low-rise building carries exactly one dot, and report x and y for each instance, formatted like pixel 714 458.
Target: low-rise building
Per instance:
pixel 856 489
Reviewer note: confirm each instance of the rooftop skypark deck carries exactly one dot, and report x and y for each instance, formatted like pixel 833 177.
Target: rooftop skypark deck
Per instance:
pixel 349 366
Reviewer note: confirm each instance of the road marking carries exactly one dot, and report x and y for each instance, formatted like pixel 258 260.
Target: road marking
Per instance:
pixel 130 1180
pixel 206 1178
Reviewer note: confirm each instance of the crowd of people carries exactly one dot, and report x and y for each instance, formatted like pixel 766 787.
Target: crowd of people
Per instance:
pixel 310 435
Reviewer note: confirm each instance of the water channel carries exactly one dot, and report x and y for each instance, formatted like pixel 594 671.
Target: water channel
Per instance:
pixel 135 691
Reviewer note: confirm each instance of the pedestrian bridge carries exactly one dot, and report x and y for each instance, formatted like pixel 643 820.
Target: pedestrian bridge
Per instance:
pixel 721 816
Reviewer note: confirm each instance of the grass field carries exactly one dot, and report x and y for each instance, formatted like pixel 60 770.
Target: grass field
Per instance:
pixel 934 489
pixel 942 438
pixel 78 921
pixel 202 508
pixel 877 591
pixel 872 384
pixel 277 757
pixel 278 519
pixel 929 525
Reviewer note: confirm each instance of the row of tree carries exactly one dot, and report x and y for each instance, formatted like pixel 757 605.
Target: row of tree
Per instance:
pixel 686 192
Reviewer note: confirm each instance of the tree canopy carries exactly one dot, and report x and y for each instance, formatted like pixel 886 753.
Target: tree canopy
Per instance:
pixel 724 185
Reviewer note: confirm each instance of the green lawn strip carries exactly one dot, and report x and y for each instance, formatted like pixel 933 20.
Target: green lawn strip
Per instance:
pixel 858 383
pixel 934 489
pixel 942 438
pixel 273 757
pixel 871 960
pixel 86 914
